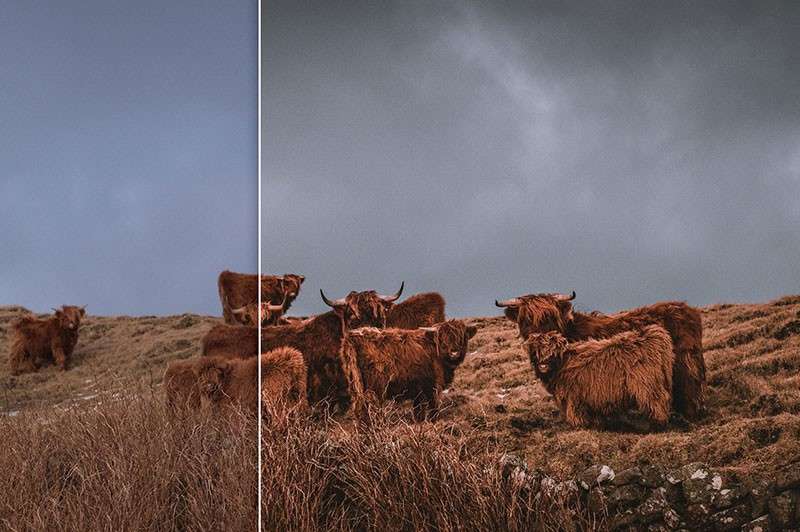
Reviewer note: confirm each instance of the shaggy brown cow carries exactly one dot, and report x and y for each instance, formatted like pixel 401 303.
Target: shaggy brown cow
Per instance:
pixel 421 310
pixel 402 364
pixel 225 382
pixel 553 312
pixel 180 384
pixel 37 341
pixel 249 314
pixel 239 289
pixel 606 377
pixel 319 339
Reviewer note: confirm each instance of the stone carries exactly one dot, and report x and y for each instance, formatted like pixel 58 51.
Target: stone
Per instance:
pixel 701 486
pixel 695 470
pixel 725 498
pixel 652 476
pixel 624 497
pixel 731 519
pixel 654 506
pixel 628 476
pixel 760 524
pixel 595 476
pixel 781 510
pixel 671 519
pixel 698 515
pixel 511 465
pixel 760 492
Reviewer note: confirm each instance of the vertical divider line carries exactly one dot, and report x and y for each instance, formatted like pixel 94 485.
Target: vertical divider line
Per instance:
pixel 258 285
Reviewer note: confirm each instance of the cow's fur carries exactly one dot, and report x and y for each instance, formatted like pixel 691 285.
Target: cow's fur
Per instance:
pixel 239 289
pixel 38 341
pixel 224 382
pixel 405 364
pixel 595 379
pixel 546 312
pixel 180 384
pixel 421 310
pixel 230 341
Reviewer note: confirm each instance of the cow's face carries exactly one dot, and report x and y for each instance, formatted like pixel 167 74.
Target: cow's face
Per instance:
pixel 452 339
pixel 545 351
pixel 539 313
pixel 291 285
pixel 363 309
pixel 211 376
pixel 69 317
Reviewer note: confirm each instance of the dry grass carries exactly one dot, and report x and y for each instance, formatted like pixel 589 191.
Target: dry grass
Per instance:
pixel 125 465
pixel 113 354
pixel 73 457
pixel 392 475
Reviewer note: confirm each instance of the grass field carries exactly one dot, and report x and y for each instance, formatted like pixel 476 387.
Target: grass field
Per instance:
pixel 84 444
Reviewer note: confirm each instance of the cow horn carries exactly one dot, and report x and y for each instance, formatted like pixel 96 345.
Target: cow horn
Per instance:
pixel 562 297
pixel 429 329
pixel 240 310
pixel 333 304
pixel 395 297
pixel 514 302
pixel 275 308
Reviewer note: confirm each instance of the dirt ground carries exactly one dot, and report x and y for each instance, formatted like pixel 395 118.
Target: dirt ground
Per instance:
pixel 752 353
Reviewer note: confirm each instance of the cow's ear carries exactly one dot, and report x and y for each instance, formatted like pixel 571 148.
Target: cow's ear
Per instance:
pixel 565 307
pixel 471 331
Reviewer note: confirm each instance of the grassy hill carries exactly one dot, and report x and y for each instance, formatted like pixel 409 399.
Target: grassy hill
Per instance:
pixel 95 447
pixel 752 353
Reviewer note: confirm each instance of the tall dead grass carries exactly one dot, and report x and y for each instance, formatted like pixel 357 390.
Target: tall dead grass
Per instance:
pixel 127 465
pixel 389 474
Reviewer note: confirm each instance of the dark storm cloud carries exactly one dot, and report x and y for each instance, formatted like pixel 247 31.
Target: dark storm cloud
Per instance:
pixel 632 152
pixel 128 168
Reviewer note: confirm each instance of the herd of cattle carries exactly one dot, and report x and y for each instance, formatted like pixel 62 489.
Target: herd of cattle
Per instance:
pixel 369 348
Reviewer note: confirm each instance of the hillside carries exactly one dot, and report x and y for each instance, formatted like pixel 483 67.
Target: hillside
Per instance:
pixel 112 353
pixel 752 353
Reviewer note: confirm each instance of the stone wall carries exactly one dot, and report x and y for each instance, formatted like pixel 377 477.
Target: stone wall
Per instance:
pixel 691 497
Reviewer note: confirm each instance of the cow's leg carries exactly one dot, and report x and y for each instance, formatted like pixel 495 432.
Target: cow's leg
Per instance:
pixel 23 362
pixel 574 414
pixel 688 383
pixel 59 354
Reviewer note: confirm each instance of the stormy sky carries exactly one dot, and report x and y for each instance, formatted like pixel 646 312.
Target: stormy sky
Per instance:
pixel 631 151
pixel 128 159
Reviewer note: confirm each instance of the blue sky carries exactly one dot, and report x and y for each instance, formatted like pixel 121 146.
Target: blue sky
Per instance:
pixel 128 159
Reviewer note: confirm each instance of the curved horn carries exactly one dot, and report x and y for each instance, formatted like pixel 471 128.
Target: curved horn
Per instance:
pixel 332 304
pixel 240 310
pixel 514 302
pixel 395 297
pixel 562 297
pixel 274 308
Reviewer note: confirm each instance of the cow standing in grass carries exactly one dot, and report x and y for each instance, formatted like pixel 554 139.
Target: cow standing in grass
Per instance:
pixel 538 313
pixel 237 290
pixel 319 339
pixel 593 380
pixel 225 382
pixel 38 341
pixel 398 364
